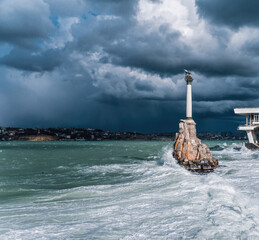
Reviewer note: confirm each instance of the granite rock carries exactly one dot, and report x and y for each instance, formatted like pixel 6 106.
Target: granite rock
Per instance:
pixel 189 151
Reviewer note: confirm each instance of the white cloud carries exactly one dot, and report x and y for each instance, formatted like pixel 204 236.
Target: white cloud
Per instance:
pixel 63 34
pixel 180 16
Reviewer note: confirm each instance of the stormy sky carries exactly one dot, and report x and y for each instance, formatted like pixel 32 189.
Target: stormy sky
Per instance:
pixel 118 64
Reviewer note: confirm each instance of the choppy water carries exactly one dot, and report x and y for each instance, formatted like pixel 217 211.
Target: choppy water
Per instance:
pixel 125 190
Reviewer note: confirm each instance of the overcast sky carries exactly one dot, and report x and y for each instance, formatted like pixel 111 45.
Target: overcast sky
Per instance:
pixel 118 64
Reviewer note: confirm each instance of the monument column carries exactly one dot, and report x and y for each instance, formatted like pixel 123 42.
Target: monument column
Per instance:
pixel 188 149
pixel 188 80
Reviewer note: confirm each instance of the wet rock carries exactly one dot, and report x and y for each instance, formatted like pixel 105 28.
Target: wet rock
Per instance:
pixel 189 151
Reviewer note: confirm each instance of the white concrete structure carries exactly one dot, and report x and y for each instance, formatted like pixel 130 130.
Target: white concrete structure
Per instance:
pixel 252 123
pixel 189 101
pixel 188 80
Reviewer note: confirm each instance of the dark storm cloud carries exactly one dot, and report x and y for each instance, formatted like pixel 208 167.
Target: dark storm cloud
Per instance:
pixel 109 64
pixel 144 86
pixel 163 52
pixel 22 21
pixel 251 48
pixel 123 8
pixel 242 94
pixel 250 83
pixel 99 34
pixel 147 54
pixel 234 13
pixel 25 60
pixel 66 8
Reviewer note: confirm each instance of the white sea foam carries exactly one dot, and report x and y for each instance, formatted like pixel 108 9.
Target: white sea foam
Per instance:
pixel 161 200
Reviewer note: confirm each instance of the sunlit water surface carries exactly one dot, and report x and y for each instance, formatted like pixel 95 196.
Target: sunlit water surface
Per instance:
pixel 125 190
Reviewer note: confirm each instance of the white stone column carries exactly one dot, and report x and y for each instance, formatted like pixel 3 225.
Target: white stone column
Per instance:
pixel 189 101
pixel 188 78
pixel 252 138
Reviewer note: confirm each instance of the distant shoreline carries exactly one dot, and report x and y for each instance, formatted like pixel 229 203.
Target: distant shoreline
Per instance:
pixel 89 134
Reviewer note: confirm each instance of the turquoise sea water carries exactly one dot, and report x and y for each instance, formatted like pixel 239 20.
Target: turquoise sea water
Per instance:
pixel 125 190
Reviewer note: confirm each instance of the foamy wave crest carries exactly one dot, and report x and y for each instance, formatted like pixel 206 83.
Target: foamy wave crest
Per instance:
pixel 151 198
pixel 167 158
pixel 234 151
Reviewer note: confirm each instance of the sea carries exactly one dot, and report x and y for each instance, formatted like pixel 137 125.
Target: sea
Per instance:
pixel 125 190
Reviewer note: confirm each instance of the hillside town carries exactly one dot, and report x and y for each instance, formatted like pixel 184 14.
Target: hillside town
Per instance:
pixel 88 134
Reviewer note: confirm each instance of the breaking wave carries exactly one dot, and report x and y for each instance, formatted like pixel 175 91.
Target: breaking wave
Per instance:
pixel 142 195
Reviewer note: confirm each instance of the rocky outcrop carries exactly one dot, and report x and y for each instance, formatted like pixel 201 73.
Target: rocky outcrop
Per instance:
pixel 189 151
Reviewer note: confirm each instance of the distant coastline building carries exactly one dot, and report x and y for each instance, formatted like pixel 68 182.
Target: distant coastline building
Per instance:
pixel 251 126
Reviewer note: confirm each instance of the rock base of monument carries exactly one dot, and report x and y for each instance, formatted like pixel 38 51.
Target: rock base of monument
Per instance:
pixel 190 152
